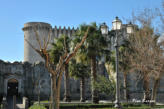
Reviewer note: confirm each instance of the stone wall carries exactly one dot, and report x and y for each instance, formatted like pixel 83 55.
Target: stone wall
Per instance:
pixel 32 78
pixel 27 76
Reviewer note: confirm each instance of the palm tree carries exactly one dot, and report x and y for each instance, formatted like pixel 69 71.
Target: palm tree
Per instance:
pixel 79 71
pixel 60 46
pixel 93 48
pixel 124 65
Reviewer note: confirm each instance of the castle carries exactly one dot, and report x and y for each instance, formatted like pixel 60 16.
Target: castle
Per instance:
pixel 30 76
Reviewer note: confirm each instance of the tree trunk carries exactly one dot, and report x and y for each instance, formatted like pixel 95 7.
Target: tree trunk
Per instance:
pixel 54 99
pixel 95 98
pixel 125 87
pixel 154 91
pixel 146 89
pixel 66 85
pixel 82 89
pixel 56 93
pixel 51 105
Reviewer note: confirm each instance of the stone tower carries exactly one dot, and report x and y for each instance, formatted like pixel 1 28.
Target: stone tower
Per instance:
pixel 43 30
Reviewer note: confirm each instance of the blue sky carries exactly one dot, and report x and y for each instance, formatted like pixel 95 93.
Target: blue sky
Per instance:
pixel 14 13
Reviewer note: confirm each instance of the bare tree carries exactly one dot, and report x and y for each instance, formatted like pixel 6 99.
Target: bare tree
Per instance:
pixel 146 58
pixel 55 71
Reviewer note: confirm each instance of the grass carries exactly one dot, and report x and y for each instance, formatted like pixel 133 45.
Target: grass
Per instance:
pixel 36 106
pixel 103 106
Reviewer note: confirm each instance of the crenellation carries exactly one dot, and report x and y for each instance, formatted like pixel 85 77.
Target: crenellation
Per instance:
pixel 73 31
pixel 55 31
pixel 77 29
pixel 58 31
pixel 69 31
pixel 64 30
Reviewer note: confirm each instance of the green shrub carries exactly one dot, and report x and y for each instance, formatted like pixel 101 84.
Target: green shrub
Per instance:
pixel 37 106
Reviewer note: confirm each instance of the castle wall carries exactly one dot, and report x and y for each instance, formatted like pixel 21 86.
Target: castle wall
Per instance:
pixel 33 78
pixel 32 70
pixel 29 76
pixel 11 71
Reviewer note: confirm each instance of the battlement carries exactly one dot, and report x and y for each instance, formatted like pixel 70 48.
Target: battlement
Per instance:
pixel 66 31
pixel 57 31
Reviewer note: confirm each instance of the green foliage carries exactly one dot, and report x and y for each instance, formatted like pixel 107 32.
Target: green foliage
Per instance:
pixel 95 44
pixel 104 85
pixel 37 106
pixel 78 70
pixel 124 61
pixel 60 46
pixel 112 61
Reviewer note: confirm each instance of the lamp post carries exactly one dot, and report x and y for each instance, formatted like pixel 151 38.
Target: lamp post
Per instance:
pixel 116 26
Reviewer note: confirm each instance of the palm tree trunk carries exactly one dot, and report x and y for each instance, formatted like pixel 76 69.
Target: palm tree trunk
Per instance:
pixel 82 89
pixel 66 85
pixel 125 87
pixel 95 98
pixel 154 91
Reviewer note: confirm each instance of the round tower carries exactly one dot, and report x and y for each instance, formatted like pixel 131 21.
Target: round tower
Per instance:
pixel 43 30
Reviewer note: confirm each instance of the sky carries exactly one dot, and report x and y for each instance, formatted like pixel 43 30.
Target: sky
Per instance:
pixel 15 13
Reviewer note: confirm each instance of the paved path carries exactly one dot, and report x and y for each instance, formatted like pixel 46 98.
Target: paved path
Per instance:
pixel 10 101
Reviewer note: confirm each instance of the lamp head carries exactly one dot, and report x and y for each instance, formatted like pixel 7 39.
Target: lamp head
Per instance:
pixel 104 29
pixel 116 24
pixel 129 28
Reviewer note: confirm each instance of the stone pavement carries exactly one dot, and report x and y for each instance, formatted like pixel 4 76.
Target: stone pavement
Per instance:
pixel 10 101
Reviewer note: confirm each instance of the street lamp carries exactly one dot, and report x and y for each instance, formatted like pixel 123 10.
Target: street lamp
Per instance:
pixel 129 28
pixel 116 25
pixel 104 29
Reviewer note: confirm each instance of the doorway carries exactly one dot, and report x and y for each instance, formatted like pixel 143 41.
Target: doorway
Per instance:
pixel 12 87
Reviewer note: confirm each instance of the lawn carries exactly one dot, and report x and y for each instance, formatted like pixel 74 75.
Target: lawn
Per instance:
pixel 100 106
